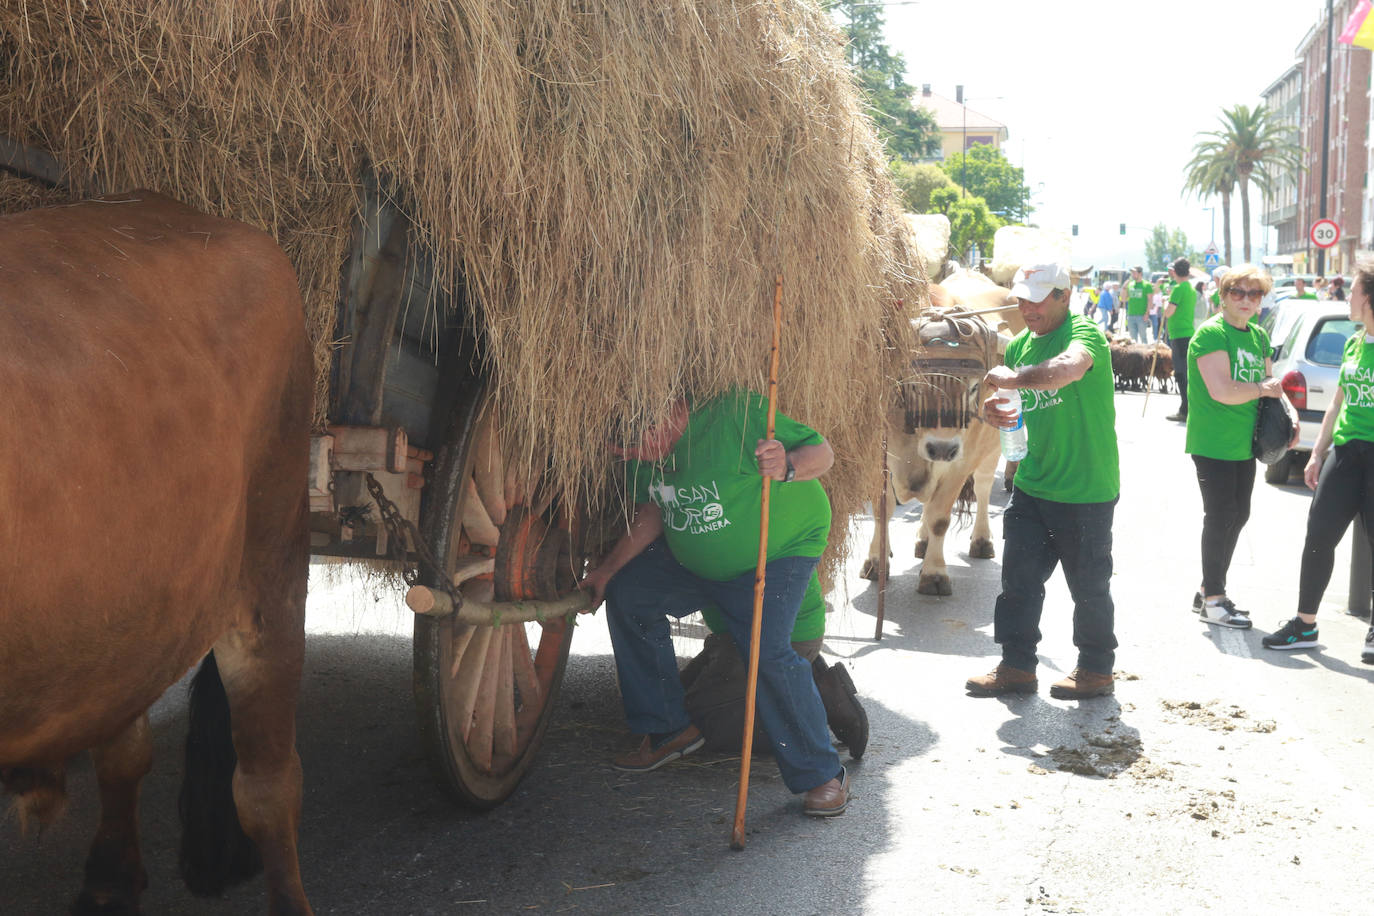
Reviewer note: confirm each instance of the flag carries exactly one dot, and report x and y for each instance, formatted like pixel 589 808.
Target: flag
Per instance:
pixel 1359 28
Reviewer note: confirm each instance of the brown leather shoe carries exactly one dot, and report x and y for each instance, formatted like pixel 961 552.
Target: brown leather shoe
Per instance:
pixel 648 757
pixel 829 798
pixel 1000 680
pixel 1081 684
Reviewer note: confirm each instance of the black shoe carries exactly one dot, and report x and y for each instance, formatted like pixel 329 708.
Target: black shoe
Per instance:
pixel 1367 656
pixel 843 712
pixel 1225 614
pixel 1295 634
pixel 1177 417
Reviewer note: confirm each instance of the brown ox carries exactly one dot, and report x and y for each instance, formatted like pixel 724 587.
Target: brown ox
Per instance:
pixel 153 458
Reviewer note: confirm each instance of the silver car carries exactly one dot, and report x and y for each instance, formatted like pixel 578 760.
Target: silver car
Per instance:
pixel 1308 338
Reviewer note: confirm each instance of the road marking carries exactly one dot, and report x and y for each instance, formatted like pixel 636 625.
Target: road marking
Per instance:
pixel 1230 641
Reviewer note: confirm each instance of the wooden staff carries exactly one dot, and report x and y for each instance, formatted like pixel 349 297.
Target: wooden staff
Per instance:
pixel 1150 379
pixel 756 628
pixel 882 546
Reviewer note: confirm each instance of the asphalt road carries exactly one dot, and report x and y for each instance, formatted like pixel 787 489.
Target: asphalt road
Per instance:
pixel 1220 777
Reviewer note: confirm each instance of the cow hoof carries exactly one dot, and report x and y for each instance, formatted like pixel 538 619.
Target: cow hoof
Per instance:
pixel 921 549
pixel 981 549
pixel 870 570
pixel 935 584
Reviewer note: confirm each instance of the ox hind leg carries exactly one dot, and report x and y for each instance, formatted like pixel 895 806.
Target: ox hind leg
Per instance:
pixel 870 567
pixel 981 547
pixel 261 677
pixel 114 868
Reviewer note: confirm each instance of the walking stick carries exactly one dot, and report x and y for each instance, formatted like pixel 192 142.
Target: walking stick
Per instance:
pixel 752 682
pixel 882 546
pixel 1150 380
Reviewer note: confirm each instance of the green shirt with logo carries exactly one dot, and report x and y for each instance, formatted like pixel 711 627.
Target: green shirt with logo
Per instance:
pixel 1180 323
pixel 1356 419
pixel 1071 431
pixel 1217 430
pixel 710 491
pixel 1138 301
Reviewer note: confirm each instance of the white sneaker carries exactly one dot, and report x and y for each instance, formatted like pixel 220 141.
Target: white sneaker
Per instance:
pixel 1224 613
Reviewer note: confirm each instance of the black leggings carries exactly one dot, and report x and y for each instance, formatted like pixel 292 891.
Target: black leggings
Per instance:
pixel 1226 487
pixel 1346 486
pixel 1178 347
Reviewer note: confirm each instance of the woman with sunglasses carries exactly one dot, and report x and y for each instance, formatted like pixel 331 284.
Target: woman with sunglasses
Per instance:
pixel 1228 372
pixel 1341 470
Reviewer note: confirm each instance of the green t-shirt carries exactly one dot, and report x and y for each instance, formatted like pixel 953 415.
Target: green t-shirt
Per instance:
pixel 1071 430
pixel 810 616
pixel 1356 419
pixel 1305 295
pixel 1216 430
pixel 710 492
pixel 1139 301
pixel 1180 323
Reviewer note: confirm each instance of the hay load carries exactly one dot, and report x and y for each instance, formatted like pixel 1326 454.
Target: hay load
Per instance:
pixel 613 184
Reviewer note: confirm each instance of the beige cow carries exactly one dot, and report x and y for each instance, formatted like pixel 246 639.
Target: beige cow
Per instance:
pixel 937 442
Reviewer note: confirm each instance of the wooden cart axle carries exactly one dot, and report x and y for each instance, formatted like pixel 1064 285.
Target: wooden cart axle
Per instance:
pixel 433 603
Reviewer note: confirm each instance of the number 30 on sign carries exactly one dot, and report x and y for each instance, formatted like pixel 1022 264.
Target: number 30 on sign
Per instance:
pixel 1325 233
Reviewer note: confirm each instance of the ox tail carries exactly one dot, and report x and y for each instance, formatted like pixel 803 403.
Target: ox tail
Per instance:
pixel 962 510
pixel 215 852
pixel 40 794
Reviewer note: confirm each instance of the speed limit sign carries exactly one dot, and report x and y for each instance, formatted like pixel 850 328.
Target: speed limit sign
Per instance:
pixel 1325 233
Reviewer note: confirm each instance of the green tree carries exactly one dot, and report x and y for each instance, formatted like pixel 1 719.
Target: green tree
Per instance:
pixel 1163 246
pixel 989 175
pixel 908 132
pixel 1212 173
pixel 1257 145
pixel 970 221
pixel 916 182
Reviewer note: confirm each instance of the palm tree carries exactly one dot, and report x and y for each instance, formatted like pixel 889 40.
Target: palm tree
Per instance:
pixel 1212 173
pixel 1258 146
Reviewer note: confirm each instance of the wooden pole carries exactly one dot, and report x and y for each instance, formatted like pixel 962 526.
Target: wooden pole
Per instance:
pixel 881 522
pixel 1150 379
pixel 752 682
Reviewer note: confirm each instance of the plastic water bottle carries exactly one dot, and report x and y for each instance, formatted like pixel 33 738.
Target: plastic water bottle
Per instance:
pixel 1014 439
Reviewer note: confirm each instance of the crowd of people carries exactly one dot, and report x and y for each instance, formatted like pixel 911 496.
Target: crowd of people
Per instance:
pixel 695 527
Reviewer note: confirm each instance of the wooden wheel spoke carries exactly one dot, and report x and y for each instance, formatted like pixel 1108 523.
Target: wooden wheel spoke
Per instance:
pixel 482 733
pixel 476 521
pixel 468 683
pixel 526 681
pixel 489 470
pixel 503 724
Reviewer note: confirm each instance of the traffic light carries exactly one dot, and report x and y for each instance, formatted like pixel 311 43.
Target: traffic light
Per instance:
pixel 1123 228
pixel 1075 228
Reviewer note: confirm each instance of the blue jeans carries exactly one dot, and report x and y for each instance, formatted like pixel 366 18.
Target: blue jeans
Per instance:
pixel 654 585
pixel 1135 326
pixel 1154 325
pixel 1105 316
pixel 1041 534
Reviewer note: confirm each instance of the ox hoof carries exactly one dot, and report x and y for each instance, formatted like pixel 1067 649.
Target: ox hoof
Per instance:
pixel 921 549
pixel 869 570
pixel 982 549
pixel 935 584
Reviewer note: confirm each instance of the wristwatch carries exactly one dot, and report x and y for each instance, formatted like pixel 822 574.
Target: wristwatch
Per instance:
pixel 791 471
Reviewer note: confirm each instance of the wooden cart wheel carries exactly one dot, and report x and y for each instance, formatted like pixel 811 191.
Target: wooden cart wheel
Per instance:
pixel 484 694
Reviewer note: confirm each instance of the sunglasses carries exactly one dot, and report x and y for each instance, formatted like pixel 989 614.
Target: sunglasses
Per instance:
pixel 1254 295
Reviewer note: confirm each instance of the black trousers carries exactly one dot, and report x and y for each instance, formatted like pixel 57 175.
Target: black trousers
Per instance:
pixel 1226 487
pixel 1178 346
pixel 1041 534
pixel 1346 486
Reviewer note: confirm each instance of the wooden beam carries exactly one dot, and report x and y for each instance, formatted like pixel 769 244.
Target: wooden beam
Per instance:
pixel 432 603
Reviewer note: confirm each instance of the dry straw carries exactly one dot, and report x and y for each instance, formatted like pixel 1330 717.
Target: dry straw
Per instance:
pixel 616 182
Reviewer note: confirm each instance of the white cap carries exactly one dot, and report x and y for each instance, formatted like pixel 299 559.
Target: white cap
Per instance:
pixel 1036 281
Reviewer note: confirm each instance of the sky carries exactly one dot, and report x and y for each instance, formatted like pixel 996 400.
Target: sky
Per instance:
pixel 1103 101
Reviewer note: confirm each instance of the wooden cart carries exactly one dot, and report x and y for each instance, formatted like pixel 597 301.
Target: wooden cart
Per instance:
pixel 412 419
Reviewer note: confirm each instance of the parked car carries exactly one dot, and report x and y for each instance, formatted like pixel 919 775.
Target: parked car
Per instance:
pixel 1308 338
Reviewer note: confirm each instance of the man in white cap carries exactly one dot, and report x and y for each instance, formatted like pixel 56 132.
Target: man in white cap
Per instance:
pixel 1065 489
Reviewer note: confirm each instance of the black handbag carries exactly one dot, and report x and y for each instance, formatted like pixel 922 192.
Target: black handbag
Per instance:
pixel 1273 431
